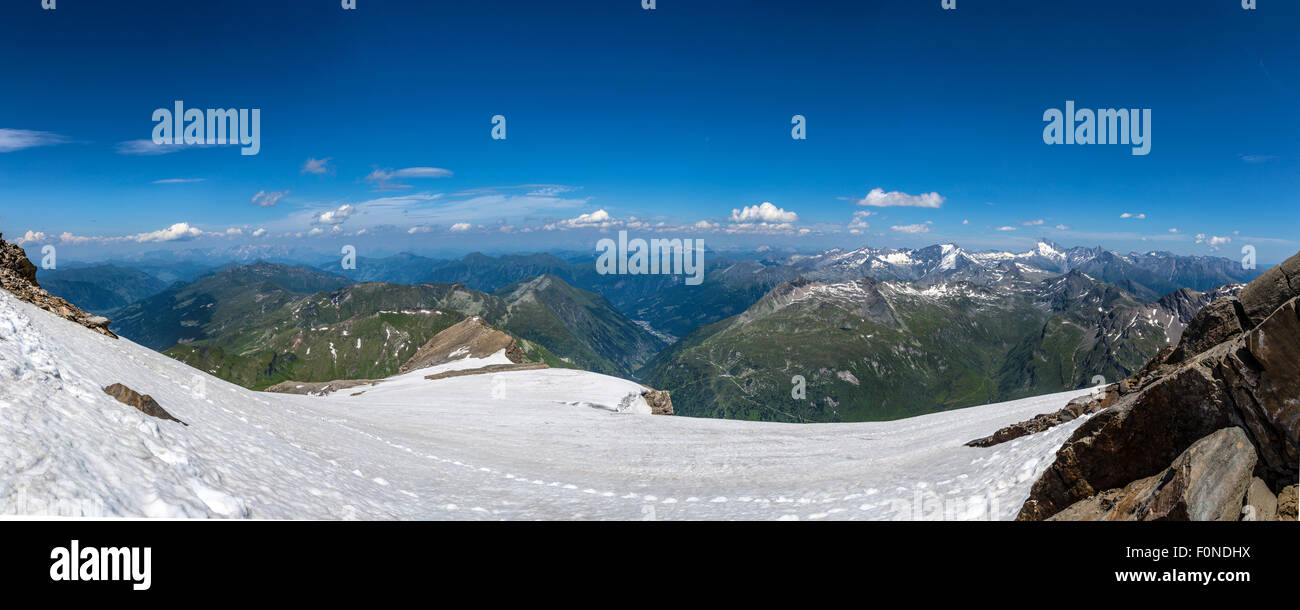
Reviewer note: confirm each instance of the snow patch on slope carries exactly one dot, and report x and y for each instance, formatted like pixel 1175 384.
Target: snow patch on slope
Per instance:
pixel 511 445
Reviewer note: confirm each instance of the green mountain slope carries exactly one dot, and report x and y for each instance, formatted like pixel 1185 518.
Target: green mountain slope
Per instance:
pixel 101 288
pixel 869 350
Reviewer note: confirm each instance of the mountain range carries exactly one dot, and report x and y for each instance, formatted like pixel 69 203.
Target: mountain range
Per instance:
pixel 873 333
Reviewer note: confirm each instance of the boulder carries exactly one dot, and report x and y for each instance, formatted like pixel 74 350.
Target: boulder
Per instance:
pixel 1286 504
pixel 1207 482
pixel 144 402
pixel 1270 290
pixel 1261 504
pixel 660 401
pixel 1217 322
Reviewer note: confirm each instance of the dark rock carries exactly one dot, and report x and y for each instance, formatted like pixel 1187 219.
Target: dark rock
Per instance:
pixel 1207 482
pixel 1270 290
pixel 1217 322
pixel 1074 409
pixel 13 258
pixel 1261 374
pixel 145 403
pixel 1251 381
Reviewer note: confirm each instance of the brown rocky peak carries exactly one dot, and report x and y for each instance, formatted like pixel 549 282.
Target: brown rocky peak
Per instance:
pixel 470 338
pixel 18 275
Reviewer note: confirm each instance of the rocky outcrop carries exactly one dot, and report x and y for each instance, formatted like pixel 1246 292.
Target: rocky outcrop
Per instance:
pixel 469 338
pixel 1249 379
pixel 1083 405
pixel 491 368
pixel 660 401
pixel 18 275
pixel 1207 482
pixel 1286 504
pixel 144 402
pixel 319 388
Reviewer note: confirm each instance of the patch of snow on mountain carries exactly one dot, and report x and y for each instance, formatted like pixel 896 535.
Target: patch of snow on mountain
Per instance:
pixel 537 444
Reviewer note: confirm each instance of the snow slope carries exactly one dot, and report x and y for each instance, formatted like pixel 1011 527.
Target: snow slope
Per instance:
pixel 541 444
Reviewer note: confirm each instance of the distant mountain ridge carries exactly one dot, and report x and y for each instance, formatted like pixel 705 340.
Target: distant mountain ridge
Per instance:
pixel 264 323
pixel 100 289
pixel 868 349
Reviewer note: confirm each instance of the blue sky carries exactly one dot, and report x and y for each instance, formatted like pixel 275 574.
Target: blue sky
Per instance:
pixel 672 121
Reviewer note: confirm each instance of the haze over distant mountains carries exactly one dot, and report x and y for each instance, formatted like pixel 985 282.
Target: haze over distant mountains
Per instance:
pixel 875 333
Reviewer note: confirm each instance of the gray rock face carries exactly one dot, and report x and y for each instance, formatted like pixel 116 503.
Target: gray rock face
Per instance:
pixel 1251 380
pixel 1207 482
pixel 1270 290
pixel 1261 504
pixel 1217 322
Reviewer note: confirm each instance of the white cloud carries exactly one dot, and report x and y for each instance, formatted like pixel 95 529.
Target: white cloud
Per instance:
pixel 1257 158
pixel 1133 216
pixel 69 238
pixel 178 232
pixel 30 236
pixel 388 178
pixel 178 180
pixel 913 229
pixel 419 229
pixel 550 190
pixel 1213 241
pixel 600 219
pixel 878 198
pixel 1032 223
pixel 1006 228
pixel 1062 227
pixel 260 232
pixel 333 217
pixel 1172 230
pixel 316 166
pixel 764 213
pixel 860 220
pixel 147 147
pixel 268 199
pixel 19 139
pixel 461 226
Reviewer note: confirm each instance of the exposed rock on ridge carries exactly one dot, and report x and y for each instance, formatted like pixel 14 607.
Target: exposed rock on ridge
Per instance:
pixel 1238 364
pixel 18 275
pixel 1208 482
pixel 469 338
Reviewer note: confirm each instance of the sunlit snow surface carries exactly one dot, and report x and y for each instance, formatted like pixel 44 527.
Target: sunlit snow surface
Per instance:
pixel 545 444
